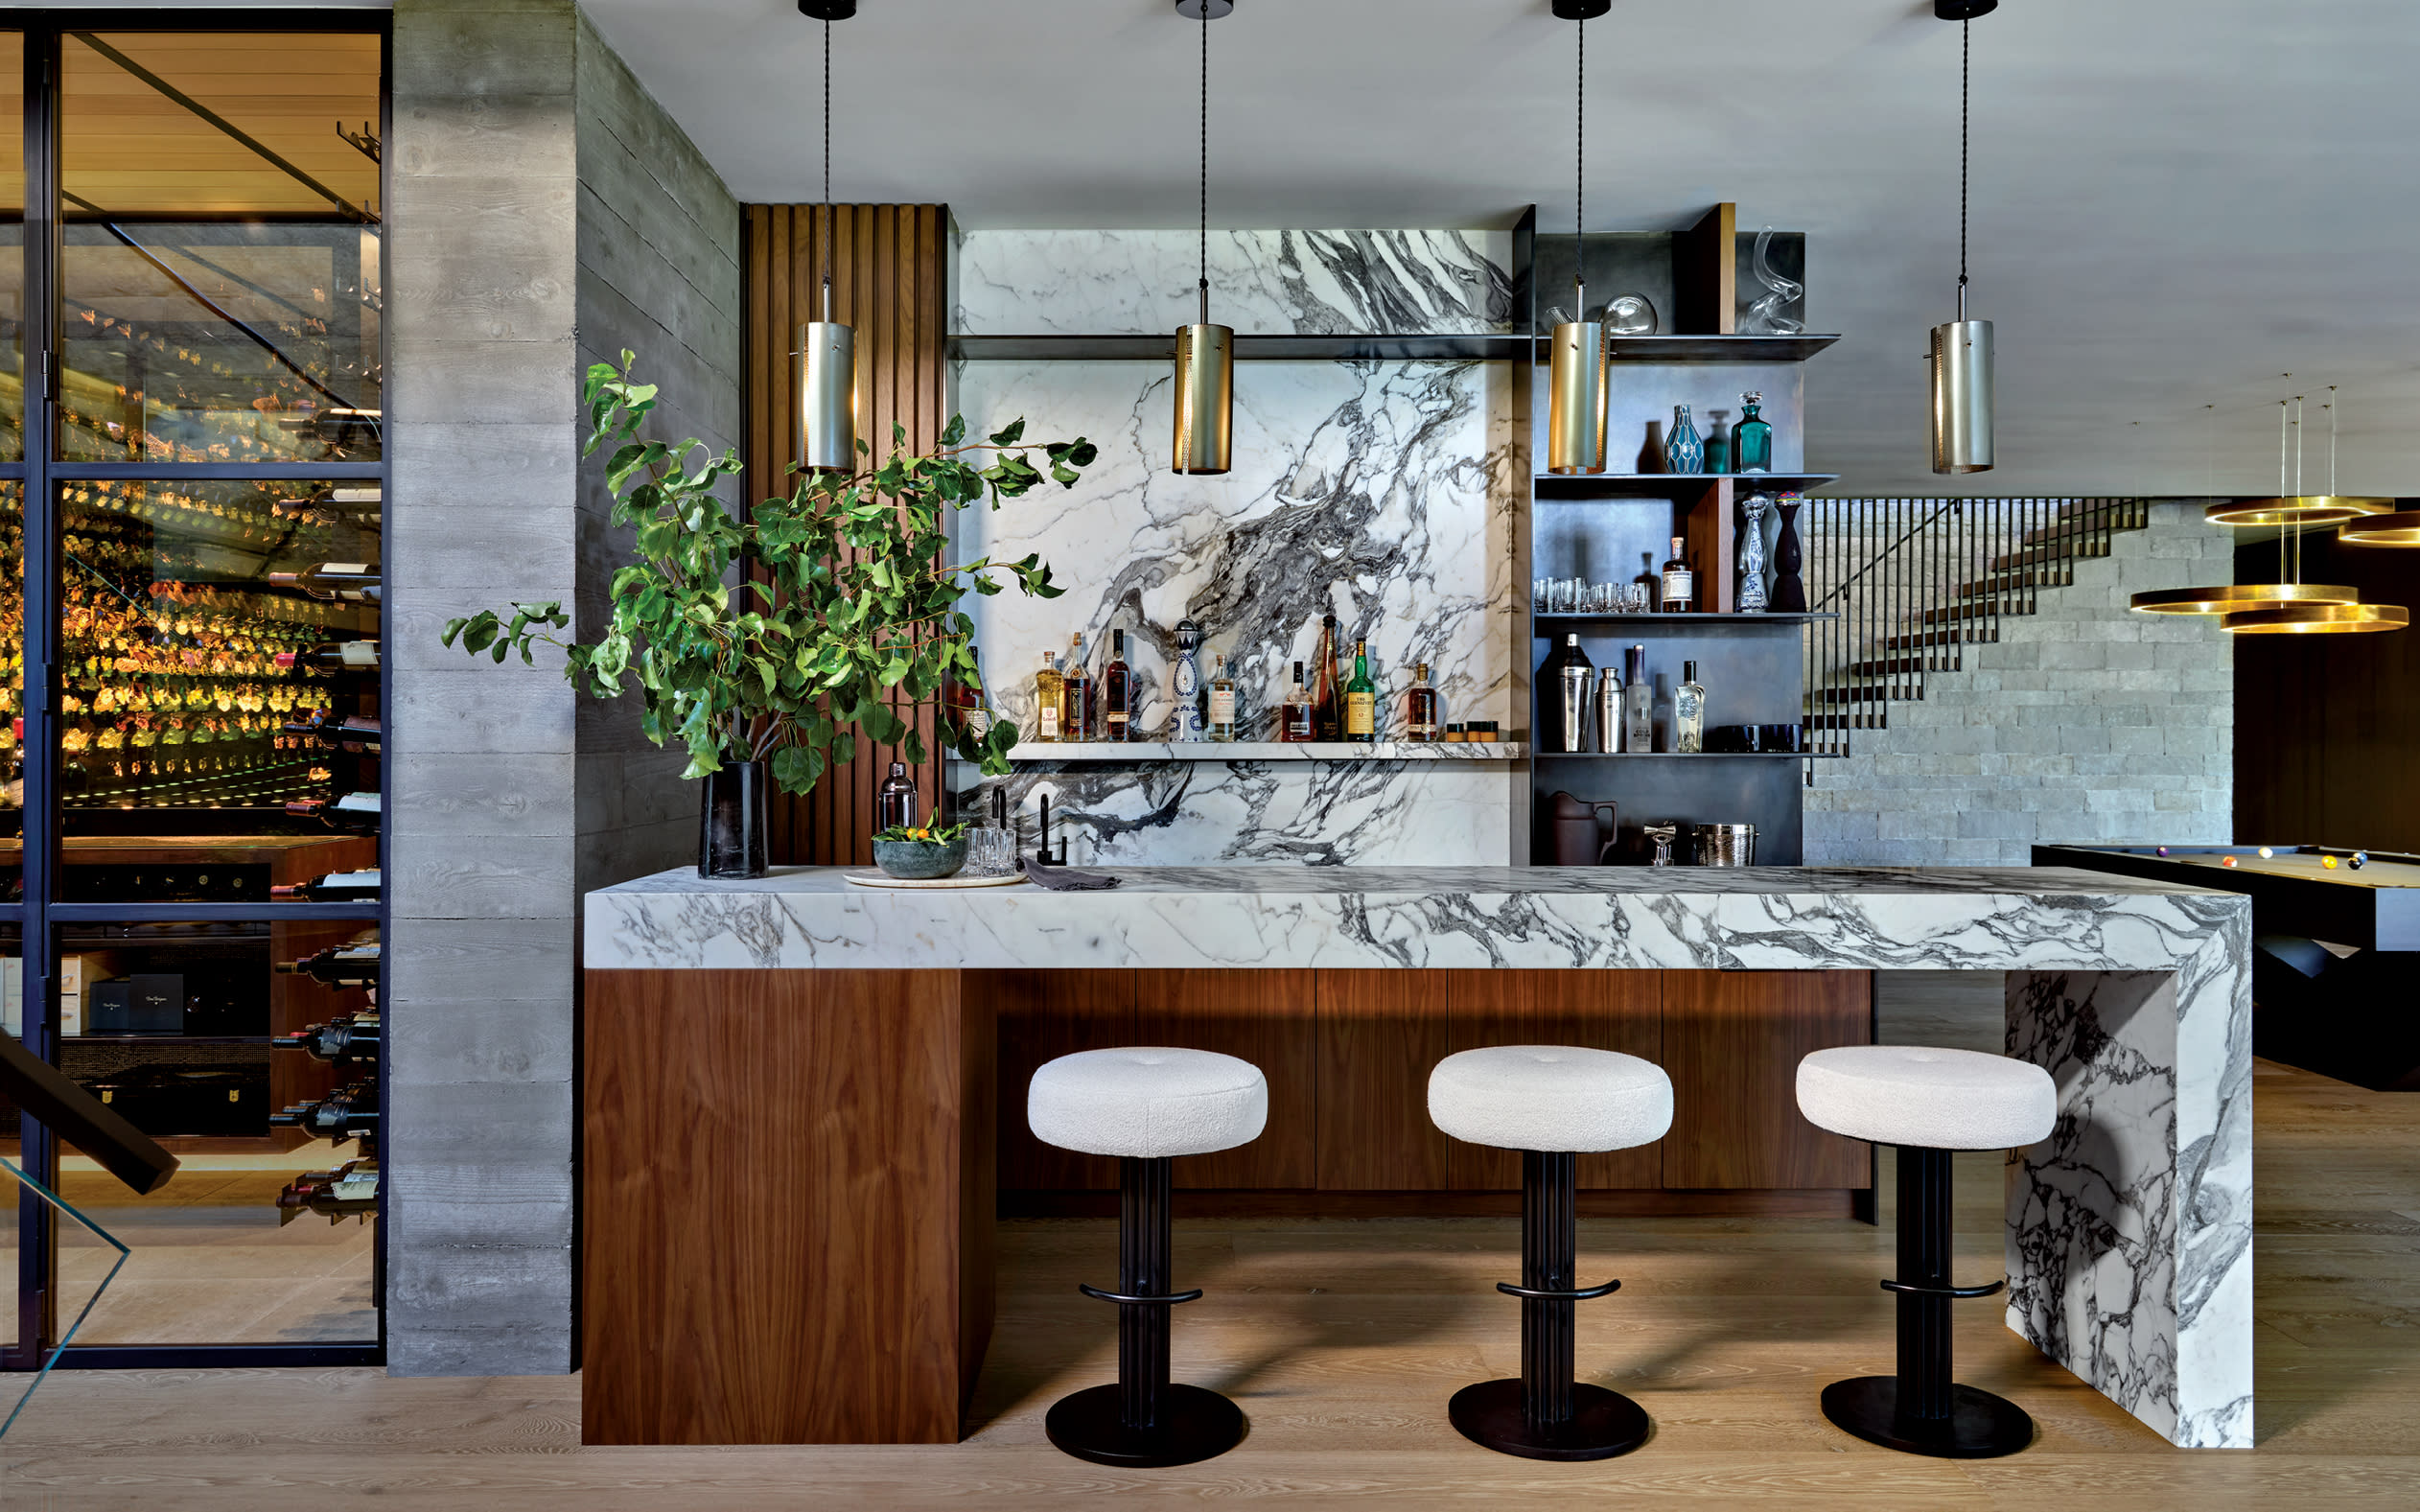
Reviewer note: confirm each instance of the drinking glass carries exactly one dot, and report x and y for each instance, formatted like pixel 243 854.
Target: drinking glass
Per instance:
pixel 990 852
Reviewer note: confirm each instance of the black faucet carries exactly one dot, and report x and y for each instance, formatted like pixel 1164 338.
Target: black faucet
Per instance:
pixel 1042 856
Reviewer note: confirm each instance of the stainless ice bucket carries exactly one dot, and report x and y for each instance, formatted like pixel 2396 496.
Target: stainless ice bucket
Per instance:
pixel 1723 845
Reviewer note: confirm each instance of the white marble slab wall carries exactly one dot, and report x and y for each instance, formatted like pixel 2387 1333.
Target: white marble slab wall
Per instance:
pixel 1380 491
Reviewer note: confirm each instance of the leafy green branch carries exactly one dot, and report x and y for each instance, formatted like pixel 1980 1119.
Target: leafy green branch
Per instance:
pixel 854 621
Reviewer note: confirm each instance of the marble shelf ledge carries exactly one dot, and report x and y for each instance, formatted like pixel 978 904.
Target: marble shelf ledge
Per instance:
pixel 1149 751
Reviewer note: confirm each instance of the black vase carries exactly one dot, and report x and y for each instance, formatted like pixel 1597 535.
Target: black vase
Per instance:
pixel 1789 591
pixel 731 824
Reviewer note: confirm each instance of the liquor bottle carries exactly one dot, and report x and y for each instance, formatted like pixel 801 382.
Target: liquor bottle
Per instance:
pixel 1117 692
pixel 894 803
pixel 1081 701
pixel 1191 721
pixel 1050 692
pixel 1650 587
pixel 1717 444
pixel 1751 439
pixel 1222 700
pixel 344 582
pixel 337 966
pixel 354 813
pixel 1295 723
pixel 966 698
pixel 1360 697
pixel 1679 587
pixel 332 657
pixel 335 887
pixel 1327 712
pixel 345 1038
pixel 1420 708
pixel 1638 696
pixel 1688 713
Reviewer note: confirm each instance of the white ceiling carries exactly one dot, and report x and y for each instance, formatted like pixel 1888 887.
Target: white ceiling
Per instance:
pixel 2175 201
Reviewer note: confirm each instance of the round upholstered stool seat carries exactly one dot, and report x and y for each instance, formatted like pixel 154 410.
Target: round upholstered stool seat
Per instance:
pixel 1938 1099
pixel 1149 1101
pixel 1550 1097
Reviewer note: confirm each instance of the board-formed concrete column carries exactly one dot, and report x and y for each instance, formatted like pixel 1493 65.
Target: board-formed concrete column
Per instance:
pixel 543 212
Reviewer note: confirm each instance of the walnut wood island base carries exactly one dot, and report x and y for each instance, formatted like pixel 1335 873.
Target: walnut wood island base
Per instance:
pixel 804 1100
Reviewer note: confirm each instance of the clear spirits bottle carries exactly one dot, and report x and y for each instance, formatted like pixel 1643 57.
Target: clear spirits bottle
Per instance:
pixel 1678 583
pixel 1752 438
pixel 1299 724
pixel 1189 722
pixel 1222 700
pixel 1075 718
pixel 1638 703
pixel 1050 695
pixel 1360 697
pixel 1420 708
pixel 1688 713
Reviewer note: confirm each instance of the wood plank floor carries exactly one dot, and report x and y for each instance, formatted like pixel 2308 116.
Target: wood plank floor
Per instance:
pixel 1342 1340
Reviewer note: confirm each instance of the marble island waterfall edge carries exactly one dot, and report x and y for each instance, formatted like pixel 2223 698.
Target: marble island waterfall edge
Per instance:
pixel 2128 1236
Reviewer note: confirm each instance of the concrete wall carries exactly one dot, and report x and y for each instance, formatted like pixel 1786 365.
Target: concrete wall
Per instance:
pixel 2084 724
pixel 513 133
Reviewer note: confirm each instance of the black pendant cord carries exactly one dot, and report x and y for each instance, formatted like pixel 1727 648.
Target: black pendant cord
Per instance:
pixel 1965 52
pixel 1205 163
pixel 827 169
pixel 1579 178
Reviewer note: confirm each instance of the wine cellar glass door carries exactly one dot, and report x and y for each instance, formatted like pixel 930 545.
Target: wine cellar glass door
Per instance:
pixel 192 510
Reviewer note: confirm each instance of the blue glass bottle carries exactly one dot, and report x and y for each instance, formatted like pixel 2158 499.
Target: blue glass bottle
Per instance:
pixel 1752 438
pixel 1683 451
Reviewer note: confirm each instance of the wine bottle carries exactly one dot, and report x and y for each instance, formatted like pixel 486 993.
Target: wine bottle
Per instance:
pixel 349 1191
pixel 332 657
pixel 335 887
pixel 338 965
pixel 341 582
pixel 1075 719
pixel 350 1112
pixel 1050 695
pixel 1327 710
pixel 1222 699
pixel 1117 692
pixel 1360 697
pixel 1680 584
pixel 1295 724
pixel 350 1037
pixel 1420 708
pixel 352 732
pixel 354 813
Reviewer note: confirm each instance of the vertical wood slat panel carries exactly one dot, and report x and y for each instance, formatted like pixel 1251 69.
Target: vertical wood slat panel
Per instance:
pixel 888 283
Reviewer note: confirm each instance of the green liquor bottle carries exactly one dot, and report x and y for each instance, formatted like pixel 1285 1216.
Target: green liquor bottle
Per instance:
pixel 1360 697
pixel 1751 439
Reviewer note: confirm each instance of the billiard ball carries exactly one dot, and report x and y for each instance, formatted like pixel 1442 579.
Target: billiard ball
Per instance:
pixel 2360 860
pixel 2161 850
pixel 2227 861
pixel 2328 863
pixel 2265 852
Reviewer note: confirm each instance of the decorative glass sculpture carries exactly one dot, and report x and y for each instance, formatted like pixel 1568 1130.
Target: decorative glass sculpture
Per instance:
pixel 1683 451
pixel 1751 598
pixel 1763 315
pixel 1631 314
pixel 1751 439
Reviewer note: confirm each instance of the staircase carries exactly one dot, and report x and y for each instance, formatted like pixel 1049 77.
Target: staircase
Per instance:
pixel 1915 581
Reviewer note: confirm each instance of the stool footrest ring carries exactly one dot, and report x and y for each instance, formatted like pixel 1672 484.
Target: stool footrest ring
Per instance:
pixel 1913 1288
pixel 1122 1300
pixel 1537 1294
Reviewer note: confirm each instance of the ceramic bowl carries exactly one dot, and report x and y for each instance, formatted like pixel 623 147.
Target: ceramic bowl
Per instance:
pixel 920 860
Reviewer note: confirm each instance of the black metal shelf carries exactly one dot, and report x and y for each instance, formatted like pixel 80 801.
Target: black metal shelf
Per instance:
pixel 1553 486
pixel 1379 346
pixel 1703 620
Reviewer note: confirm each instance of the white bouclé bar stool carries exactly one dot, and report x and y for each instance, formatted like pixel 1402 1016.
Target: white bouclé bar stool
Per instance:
pixel 1928 1102
pixel 1145 1104
pixel 1550 1102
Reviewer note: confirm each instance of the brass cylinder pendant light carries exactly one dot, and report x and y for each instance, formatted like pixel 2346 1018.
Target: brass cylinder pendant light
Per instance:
pixel 1960 357
pixel 1205 353
pixel 1577 358
pixel 825 365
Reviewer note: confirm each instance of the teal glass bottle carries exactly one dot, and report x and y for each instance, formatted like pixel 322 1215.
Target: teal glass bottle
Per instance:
pixel 1683 451
pixel 1752 438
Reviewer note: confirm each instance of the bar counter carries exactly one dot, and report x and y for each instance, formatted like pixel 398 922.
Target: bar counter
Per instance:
pixel 802 1096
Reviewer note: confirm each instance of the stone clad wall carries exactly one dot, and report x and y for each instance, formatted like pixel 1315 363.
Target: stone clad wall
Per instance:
pixel 543 210
pixel 2084 724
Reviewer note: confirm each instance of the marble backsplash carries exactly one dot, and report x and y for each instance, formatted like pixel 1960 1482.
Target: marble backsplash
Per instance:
pixel 1379 492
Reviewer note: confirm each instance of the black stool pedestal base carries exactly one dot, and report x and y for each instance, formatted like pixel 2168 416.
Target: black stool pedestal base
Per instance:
pixel 1602 1423
pixel 1195 1424
pixel 1980 1426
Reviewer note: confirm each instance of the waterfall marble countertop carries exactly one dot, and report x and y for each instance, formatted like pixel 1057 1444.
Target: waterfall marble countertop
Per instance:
pixel 1267 917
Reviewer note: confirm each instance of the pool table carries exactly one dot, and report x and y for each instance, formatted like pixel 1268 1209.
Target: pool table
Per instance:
pixel 2335 950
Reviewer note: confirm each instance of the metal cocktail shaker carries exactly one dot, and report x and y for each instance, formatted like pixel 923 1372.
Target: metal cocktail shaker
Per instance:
pixel 1577 677
pixel 1609 711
